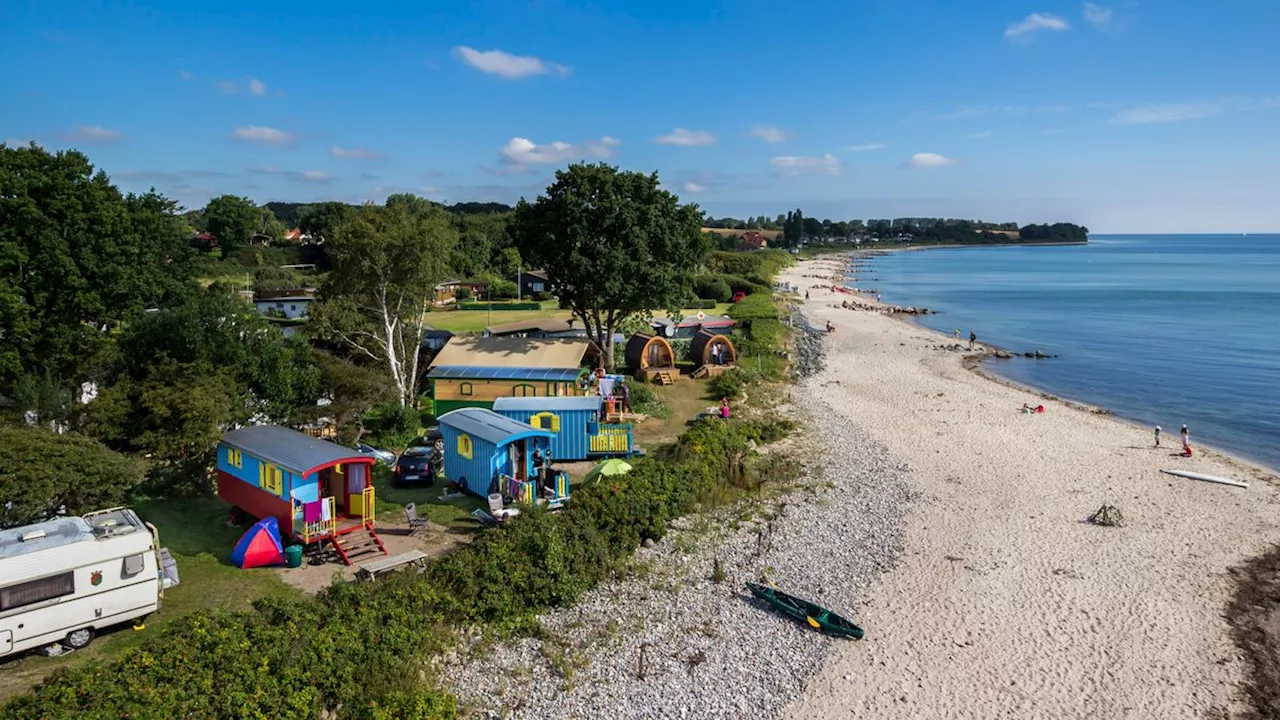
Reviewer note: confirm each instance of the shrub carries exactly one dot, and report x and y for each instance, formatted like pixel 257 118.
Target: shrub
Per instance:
pixel 712 287
pixel 500 288
pixel 542 296
pixel 700 304
pixel 392 425
pixel 729 384
pixel 463 294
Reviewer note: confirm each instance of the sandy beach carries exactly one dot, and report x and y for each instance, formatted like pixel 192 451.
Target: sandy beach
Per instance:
pixel 1006 603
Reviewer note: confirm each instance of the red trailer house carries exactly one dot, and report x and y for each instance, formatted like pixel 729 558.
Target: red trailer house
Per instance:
pixel 316 489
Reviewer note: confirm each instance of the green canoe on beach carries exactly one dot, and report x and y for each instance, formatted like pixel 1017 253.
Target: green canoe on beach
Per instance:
pixel 816 615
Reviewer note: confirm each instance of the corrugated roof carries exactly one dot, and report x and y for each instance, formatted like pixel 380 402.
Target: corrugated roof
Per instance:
pixel 468 372
pixel 489 425
pixel 290 449
pixel 544 324
pixel 538 404
pixel 511 352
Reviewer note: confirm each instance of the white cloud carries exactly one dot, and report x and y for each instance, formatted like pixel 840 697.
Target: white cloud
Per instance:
pixel 1025 29
pixel 794 165
pixel 356 153
pixel 257 87
pixel 1098 17
pixel 94 134
pixel 504 64
pixel 686 138
pixel 262 135
pixel 520 152
pixel 693 187
pixel 1167 113
pixel 303 176
pixel 866 148
pixel 929 160
pixel 769 133
pixel 979 135
pixel 185 76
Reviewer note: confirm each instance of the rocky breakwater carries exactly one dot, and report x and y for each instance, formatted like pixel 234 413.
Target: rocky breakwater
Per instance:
pixel 885 309
pixel 809 356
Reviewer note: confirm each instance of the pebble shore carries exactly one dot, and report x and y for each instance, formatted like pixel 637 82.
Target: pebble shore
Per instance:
pixel 679 636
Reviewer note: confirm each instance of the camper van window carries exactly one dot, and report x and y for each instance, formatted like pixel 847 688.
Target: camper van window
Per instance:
pixel 36 591
pixel 134 564
pixel 234 458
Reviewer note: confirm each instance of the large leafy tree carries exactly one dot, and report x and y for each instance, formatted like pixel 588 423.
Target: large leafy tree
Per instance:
pixel 42 473
pixel 387 261
pixel 614 244
pixel 233 220
pixel 77 258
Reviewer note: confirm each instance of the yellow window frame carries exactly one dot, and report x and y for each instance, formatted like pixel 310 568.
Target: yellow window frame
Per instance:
pixel 234 458
pixel 546 421
pixel 466 448
pixel 271 478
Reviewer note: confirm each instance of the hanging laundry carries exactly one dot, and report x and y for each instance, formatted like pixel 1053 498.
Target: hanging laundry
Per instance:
pixel 325 514
pixel 311 512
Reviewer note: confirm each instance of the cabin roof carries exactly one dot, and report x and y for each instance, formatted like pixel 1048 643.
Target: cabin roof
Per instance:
pixel 511 352
pixel 538 404
pixel 290 449
pixel 468 372
pixel 489 425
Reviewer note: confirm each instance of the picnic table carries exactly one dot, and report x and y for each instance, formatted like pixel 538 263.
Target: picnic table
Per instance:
pixel 371 569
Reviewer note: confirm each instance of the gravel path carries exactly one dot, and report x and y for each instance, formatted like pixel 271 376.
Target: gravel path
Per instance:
pixel 679 636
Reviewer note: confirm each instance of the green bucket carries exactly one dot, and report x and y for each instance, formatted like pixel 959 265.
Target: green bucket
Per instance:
pixel 293 556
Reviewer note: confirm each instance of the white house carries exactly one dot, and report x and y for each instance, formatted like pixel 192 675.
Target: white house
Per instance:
pixel 290 304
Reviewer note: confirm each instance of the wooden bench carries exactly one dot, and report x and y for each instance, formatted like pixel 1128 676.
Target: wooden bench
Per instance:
pixel 370 570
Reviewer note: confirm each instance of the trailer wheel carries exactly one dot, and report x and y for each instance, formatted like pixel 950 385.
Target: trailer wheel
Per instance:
pixel 79 639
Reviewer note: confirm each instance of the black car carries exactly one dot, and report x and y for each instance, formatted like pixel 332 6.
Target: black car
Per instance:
pixel 416 465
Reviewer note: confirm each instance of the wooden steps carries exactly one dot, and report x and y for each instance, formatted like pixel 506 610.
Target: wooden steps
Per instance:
pixel 701 372
pixel 665 377
pixel 357 544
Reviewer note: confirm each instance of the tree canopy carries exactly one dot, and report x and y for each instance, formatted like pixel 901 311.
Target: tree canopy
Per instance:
pixel 613 244
pixel 232 220
pixel 387 261
pixel 42 473
pixel 77 258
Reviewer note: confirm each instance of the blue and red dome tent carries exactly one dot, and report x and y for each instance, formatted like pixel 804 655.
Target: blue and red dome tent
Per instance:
pixel 260 545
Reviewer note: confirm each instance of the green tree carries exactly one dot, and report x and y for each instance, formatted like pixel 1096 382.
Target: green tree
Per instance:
pixel 233 220
pixel 42 473
pixel 76 258
pixel 321 219
pixel 387 261
pixel 613 244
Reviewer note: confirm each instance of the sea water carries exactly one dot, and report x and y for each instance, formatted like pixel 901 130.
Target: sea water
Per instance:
pixel 1160 329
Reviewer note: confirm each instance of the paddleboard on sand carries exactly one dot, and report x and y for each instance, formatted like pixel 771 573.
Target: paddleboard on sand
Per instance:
pixel 1206 478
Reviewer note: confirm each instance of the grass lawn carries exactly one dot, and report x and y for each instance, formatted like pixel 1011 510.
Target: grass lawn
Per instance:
pixel 195 532
pixel 465 321
pixel 685 399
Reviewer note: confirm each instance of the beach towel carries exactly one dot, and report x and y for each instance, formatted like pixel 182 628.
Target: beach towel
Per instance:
pixel 325 516
pixel 311 512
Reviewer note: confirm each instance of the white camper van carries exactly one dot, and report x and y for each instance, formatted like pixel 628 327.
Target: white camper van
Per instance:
pixel 63 580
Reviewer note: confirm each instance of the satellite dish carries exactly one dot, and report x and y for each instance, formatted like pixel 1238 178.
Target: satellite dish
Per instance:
pixel 669 330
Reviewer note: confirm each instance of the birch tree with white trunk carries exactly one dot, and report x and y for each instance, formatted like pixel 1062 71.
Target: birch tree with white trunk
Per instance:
pixel 387 261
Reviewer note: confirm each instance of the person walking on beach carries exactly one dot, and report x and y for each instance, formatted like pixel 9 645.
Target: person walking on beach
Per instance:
pixel 973 337
pixel 1157 436
pixel 957 333
pixel 1186 441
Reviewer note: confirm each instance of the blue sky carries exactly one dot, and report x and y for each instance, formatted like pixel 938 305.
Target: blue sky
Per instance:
pixel 1124 116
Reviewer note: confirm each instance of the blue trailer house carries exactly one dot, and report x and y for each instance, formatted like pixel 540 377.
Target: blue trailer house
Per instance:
pixel 576 423
pixel 488 453
pixel 316 490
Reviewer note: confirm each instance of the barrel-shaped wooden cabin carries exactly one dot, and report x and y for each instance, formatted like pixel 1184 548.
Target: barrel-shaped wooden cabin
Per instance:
pixel 712 353
pixel 650 357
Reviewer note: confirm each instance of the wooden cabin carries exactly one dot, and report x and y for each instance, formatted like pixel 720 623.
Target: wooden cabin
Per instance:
pixel 650 357
pixel 576 423
pixel 316 490
pixel 541 328
pixel 488 453
pixel 473 372
pixel 712 353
